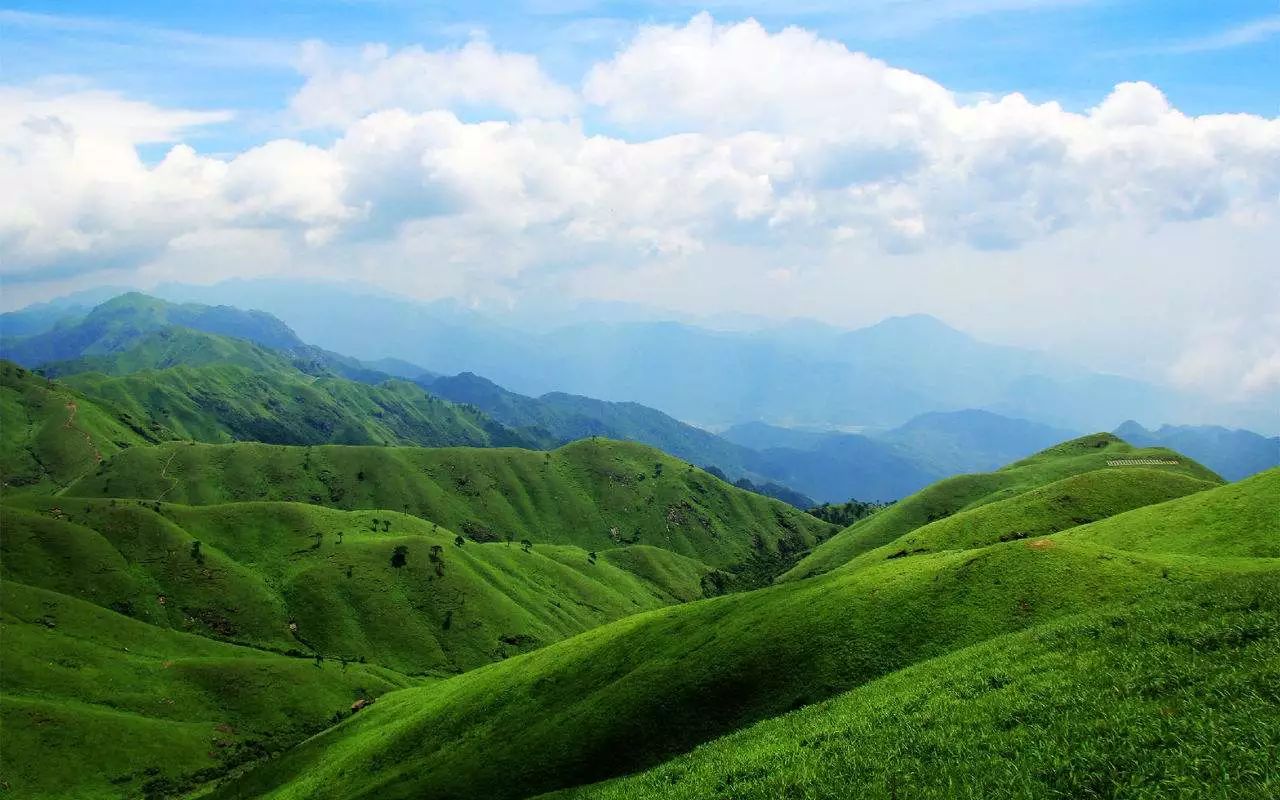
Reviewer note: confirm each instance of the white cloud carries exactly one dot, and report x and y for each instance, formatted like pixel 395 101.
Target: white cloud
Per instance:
pixel 732 151
pixel 338 92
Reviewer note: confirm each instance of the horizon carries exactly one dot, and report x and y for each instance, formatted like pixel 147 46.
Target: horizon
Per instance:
pixel 1115 201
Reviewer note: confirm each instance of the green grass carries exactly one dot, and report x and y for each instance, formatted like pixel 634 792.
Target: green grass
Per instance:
pixel 1066 503
pixel 594 494
pixel 962 492
pixel 263 566
pixel 97 705
pixel 1172 700
pixel 226 402
pixel 51 435
pixel 633 693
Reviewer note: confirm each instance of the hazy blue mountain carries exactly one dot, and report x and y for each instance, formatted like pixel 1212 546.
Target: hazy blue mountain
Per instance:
pixel 1233 454
pixel 957 442
pixel 848 465
pixel 763 436
pixel 797 374
pixel 135 331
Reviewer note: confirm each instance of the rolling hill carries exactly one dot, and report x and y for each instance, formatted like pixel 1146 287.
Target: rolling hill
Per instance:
pixel 949 496
pixel 593 494
pixel 635 692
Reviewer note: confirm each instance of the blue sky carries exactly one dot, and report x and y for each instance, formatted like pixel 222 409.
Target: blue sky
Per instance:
pixel 1208 57
pixel 1065 174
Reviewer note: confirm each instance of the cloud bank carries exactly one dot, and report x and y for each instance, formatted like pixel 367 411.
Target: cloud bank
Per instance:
pixel 466 169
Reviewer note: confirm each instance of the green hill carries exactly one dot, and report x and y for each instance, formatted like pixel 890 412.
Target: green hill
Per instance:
pixel 594 494
pixel 635 692
pixel 234 402
pixel 962 492
pixel 1174 700
pixel 94 704
pixel 292 577
pixel 51 435
pixel 1058 506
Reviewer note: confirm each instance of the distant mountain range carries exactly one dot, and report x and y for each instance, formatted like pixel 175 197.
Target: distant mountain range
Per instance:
pixel 1233 454
pixel 219 373
pixel 798 375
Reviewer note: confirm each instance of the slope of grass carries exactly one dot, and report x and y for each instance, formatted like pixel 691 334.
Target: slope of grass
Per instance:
pixel 1190 526
pixel 97 705
pixel 1172 700
pixel 226 402
pixel 172 347
pixel 632 693
pixel 962 492
pixel 292 577
pixel 1066 503
pixel 593 494
pixel 50 435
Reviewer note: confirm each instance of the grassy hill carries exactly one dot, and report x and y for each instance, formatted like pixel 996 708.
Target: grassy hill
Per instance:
pixel 1172 700
pixel 1058 506
pixel 635 692
pixel 51 435
pixel 94 704
pixel 290 577
pixel 594 494
pixel 226 402
pixel 952 495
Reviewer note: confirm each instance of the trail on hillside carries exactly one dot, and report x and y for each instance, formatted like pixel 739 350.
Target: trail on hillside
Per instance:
pixel 70 424
pixel 164 473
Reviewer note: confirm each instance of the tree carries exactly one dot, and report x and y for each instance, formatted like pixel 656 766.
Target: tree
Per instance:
pixel 526 545
pixel 591 557
pixel 386 525
pixel 399 556
pixel 197 554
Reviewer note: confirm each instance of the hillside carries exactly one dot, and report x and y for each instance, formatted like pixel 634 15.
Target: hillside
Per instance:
pixel 557 418
pixel 145 711
pixel 1092 706
pixel 134 331
pixel 956 442
pixel 291 577
pixel 949 496
pixel 638 691
pixel 1233 454
pixel 593 494
pixel 226 402
pixel 51 435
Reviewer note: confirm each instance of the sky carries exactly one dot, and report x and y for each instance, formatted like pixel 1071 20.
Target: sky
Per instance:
pixel 1099 179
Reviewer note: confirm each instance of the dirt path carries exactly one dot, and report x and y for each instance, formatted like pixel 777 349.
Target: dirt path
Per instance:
pixel 70 424
pixel 164 473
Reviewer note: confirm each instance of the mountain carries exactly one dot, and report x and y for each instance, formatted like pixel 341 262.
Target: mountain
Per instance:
pixel 970 440
pixel 558 418
pixel 888 465
pixel 134 331
pixel 1233 454
pixel 225 402
pixel 798 376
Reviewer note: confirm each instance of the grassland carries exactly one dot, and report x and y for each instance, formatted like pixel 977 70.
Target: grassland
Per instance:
pixel 632 693
pixel 595 494
pixel 964 492
pixel 50 435
pixel 1171 700
pixel 297 578
pixel 95 704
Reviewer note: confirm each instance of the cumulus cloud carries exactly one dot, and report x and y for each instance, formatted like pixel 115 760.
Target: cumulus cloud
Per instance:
pixel 337 92
pixel 778 147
